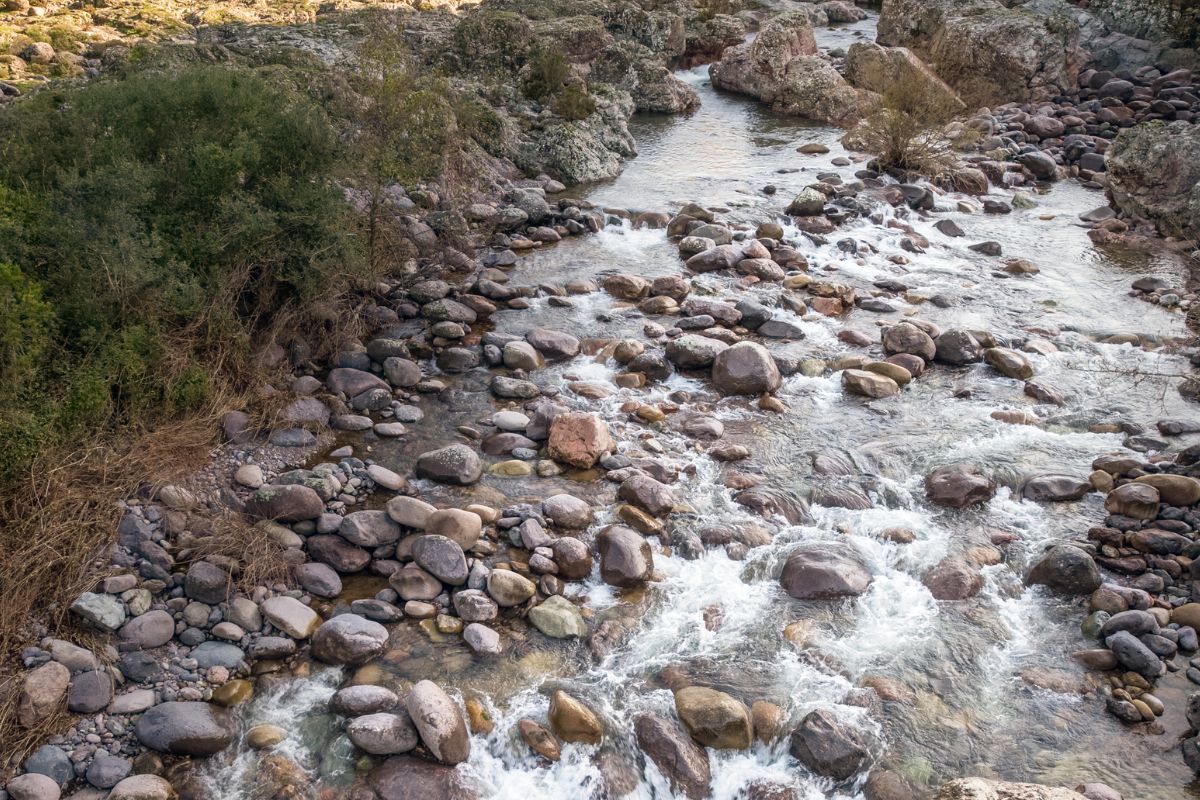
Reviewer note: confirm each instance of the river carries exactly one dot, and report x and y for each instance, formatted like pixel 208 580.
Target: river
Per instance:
pixel 971 711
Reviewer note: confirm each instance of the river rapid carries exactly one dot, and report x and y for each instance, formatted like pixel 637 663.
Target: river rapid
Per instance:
pixel 972 669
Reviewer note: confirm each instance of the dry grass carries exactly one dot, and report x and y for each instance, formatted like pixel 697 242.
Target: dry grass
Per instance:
pixel 257 555
pixel 56 528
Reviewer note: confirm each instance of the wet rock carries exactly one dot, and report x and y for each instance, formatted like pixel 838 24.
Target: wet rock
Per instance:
pixel 1055 488
pixel 567 512
pixel 456 464
pixel 625 557
pixel 439 723
pixel 348 639
pixel 408 778
pixel 953 579
pixel 573 721
pixel 647 493
pixel 573 558
pixel 1175 490
pixel 482 639
pixel 354 701
pixel 713 718
pixel 817 573
pixel 440 557
pixel 907 338
pixel 985 789
pixel 745 368
pixel 1133 500
pixel 868 384
pixel 957 348
pixel 186 729
pixel 682 761
pixel 558 618
pixel 1008 362
pixel 554 345
pixel 508 588
pixel 1133 655
pixel 1066 570
pixel 959 486
pixel 828 747
pixel 693 351
pixel 383 733
pixel 539 739
pixel 579 439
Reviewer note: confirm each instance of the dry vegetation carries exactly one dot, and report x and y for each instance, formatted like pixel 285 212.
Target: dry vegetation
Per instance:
pixel 905 127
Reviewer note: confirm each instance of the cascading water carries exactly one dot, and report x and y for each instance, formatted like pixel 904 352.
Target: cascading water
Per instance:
pixel 969 711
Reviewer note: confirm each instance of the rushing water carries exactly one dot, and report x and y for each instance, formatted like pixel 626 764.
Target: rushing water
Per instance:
pixel 972 712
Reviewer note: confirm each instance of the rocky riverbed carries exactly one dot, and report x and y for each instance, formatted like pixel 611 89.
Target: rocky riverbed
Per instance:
pixel 750 473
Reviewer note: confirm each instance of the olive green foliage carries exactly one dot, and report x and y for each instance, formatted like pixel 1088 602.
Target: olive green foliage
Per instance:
pixel 149 227
pixel 546 72
pixel 405 126
pixel 492 39
pixel 574 103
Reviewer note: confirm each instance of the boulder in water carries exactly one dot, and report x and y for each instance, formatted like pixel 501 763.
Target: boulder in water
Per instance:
pixel 714 719
pixel 1066 570
pixel 745 368
pixel 959 486
pixel 828 747
pixel 439 722
pixel 684 763
pixel 817 573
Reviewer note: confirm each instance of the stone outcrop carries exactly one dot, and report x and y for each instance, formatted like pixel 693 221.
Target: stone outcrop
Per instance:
pixel 781 67
pixel 987 52
pixel 1154 173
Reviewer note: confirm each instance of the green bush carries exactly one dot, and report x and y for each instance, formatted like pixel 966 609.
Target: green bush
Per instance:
pixel 149 227
pixel 546 72
pixel 574 103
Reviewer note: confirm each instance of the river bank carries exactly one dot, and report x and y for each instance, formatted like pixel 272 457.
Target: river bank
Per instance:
pixel 943 662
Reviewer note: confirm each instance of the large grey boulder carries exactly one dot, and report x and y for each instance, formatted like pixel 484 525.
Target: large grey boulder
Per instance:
pixel 987 52
pixel 781 67
pixel 745 368
pixel 456 464
pixel 1154 173
pixel 348 639
pixel 439 722
pixel 186 729
pixel 820 573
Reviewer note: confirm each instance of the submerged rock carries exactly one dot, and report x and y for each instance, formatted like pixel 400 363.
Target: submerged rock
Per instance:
pixel 684 763
pixel 828 747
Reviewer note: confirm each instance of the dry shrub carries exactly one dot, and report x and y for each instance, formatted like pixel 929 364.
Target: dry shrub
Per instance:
pixel 904 129
pixel 256 556
pixel 56 527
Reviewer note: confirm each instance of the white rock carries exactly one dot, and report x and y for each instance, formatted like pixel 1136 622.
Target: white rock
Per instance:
pixel 385 477
pixel 249 475
pixel 290 616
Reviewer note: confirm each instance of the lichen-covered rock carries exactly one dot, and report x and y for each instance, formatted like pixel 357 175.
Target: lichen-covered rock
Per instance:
pixel 781 67
pixel 1154 173
pixel 988 53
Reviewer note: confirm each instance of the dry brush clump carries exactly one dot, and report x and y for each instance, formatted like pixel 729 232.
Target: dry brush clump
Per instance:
pixel 905 125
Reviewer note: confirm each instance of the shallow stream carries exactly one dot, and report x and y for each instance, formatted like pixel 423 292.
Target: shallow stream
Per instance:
pixel 972 712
